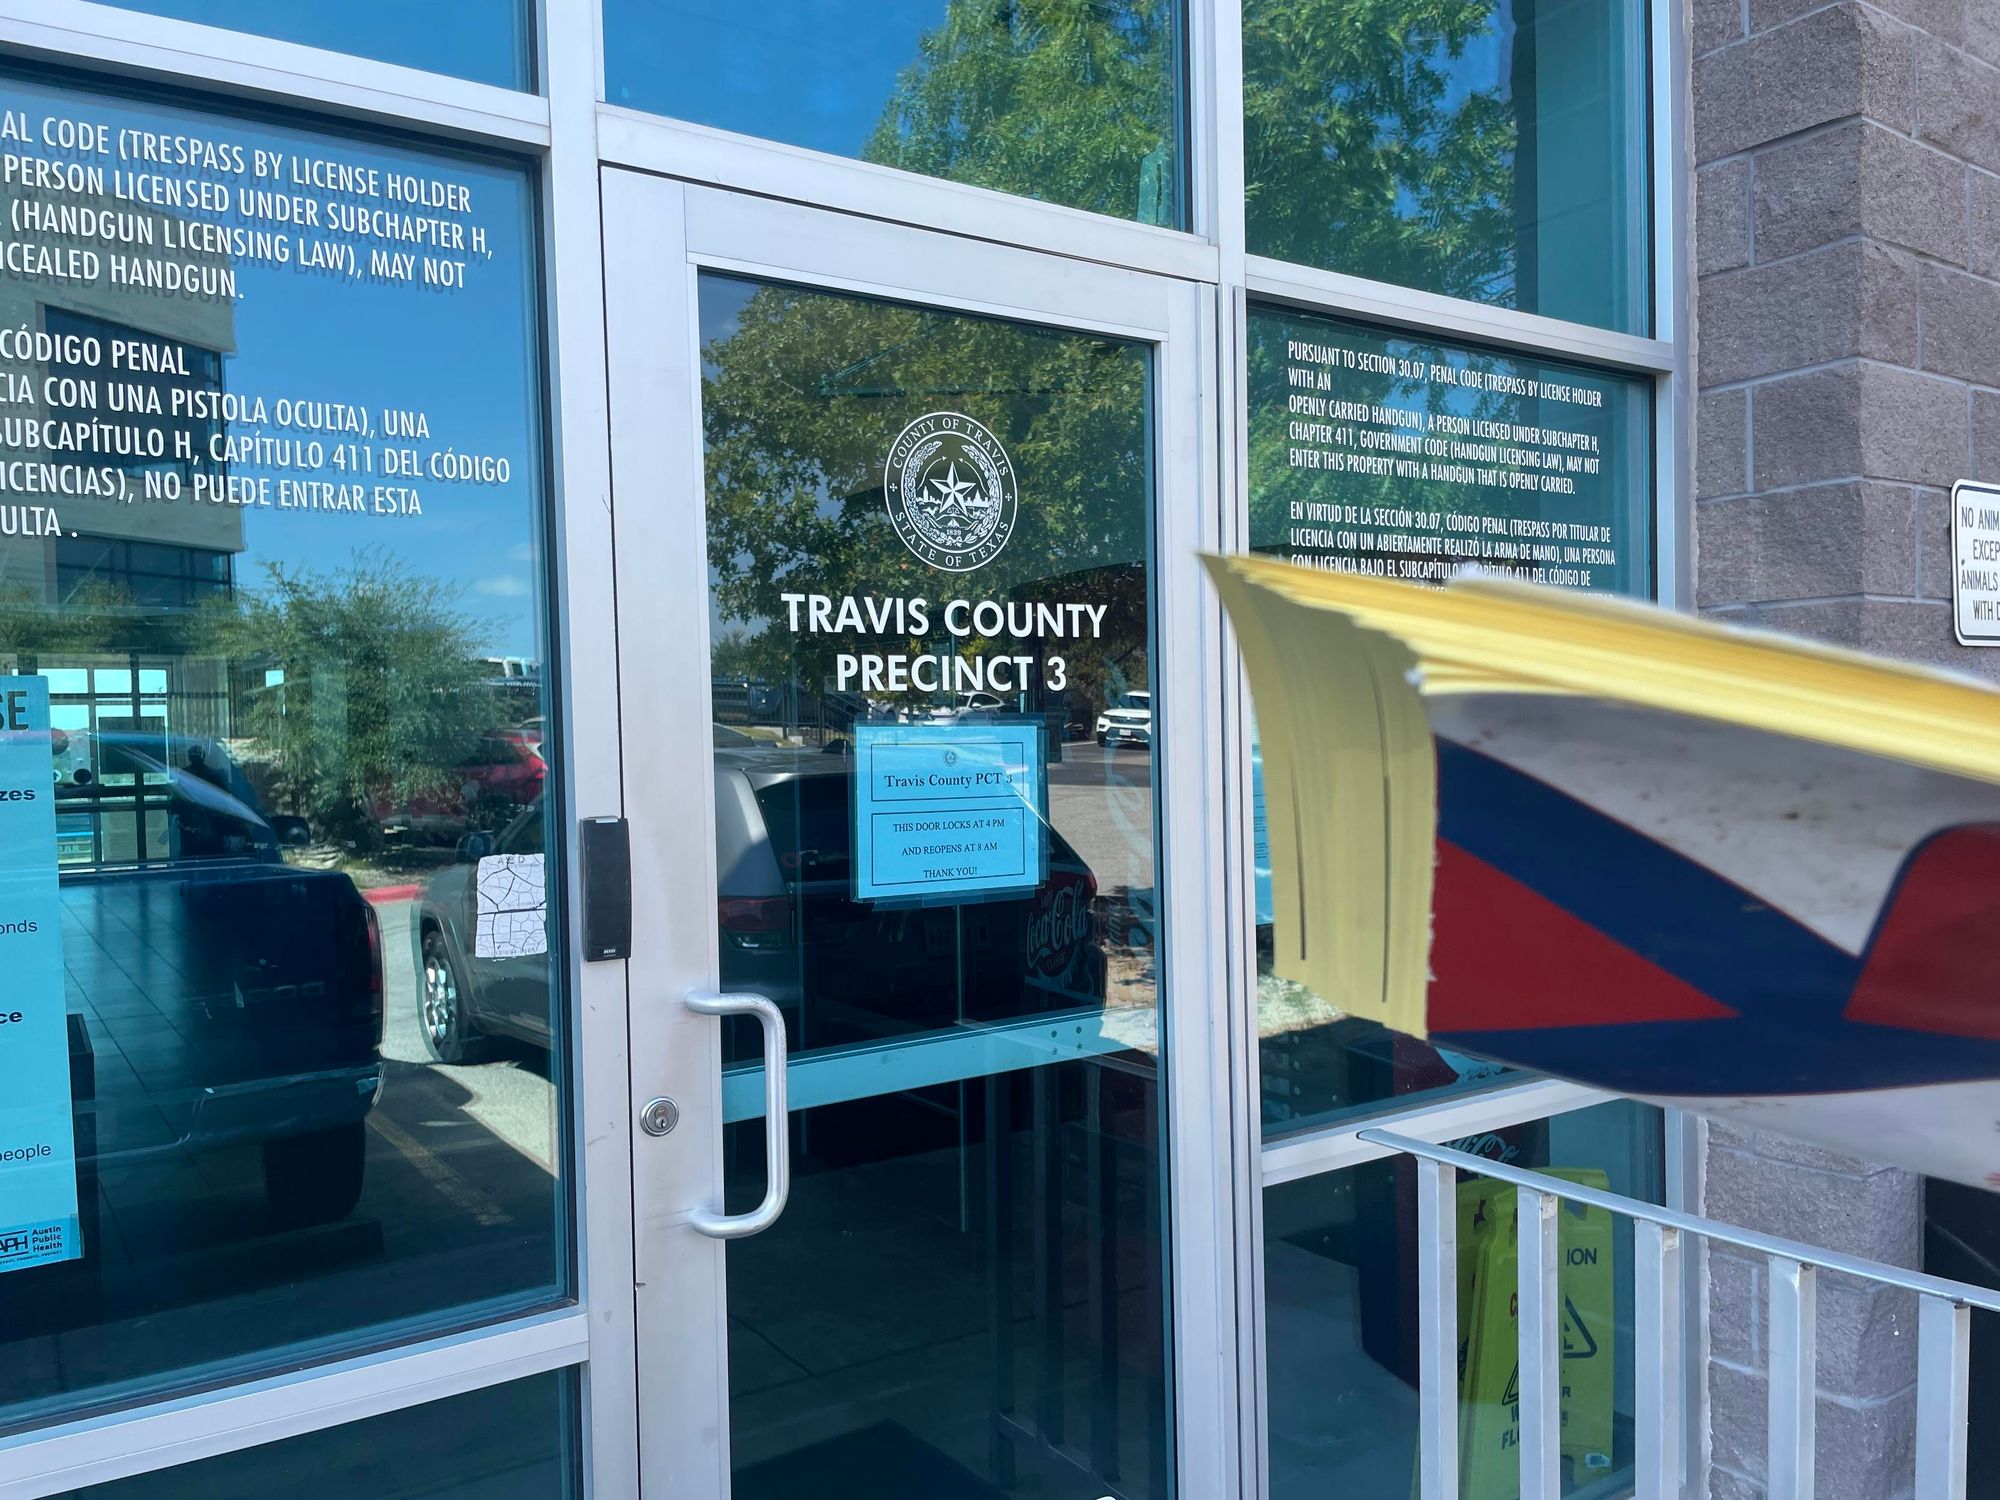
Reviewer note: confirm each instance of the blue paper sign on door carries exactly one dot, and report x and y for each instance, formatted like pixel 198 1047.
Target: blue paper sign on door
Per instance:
pixel 948 811
pixel 38 1221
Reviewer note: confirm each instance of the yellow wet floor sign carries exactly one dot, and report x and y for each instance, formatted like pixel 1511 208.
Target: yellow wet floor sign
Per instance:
pixel 1489 1344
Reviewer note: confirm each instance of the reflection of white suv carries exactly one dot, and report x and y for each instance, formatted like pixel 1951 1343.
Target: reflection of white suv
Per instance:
pixel 1128 721
pixel 965 706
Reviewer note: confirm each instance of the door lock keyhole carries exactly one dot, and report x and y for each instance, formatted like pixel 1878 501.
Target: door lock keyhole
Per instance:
pixel 659 1116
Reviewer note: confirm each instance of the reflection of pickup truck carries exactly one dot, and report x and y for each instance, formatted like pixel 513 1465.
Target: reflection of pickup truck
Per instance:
pixel 228 998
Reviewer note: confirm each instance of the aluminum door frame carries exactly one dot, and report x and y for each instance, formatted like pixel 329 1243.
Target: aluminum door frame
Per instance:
pixel 659 234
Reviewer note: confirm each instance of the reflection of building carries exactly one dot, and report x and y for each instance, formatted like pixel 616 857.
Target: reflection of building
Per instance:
pixel 121 572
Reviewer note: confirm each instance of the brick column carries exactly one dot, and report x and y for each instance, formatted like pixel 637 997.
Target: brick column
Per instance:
pixel 1847 251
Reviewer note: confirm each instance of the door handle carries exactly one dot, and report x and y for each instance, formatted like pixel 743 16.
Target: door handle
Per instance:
pixel 777 1137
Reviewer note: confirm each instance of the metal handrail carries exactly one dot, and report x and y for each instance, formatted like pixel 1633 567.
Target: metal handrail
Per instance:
pixel 1709 1229
pixel 1661 1440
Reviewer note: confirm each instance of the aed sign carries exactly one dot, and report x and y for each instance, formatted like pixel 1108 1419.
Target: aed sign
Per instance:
pixel 38 1218
pixel 1975 563
pixel 948 812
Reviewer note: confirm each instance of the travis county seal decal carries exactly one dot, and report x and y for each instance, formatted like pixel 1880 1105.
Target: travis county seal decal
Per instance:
pixel 949 486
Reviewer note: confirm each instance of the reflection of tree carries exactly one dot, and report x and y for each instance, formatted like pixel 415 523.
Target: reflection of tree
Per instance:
pixel 801 401
pixel 93 618
pixel 1364 152
pixel 372 688
pixel 735 653
pixel 1067 100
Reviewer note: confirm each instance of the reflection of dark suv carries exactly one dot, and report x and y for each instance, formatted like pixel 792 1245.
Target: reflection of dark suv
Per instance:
pixel 847 971
pixel 467 995
pixel 227 998
pixel 840 970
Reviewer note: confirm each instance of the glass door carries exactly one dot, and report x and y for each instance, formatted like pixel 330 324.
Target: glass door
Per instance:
pixel 910 654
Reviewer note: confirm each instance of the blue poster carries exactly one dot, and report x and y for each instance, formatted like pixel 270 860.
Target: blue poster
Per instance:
pixel 38 1220
pixel 948 811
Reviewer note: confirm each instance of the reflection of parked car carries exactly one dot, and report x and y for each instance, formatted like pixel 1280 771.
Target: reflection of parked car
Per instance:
pixel 503 773
pixel 970 705
pixel 1127 721
pixel 466 995
pixel 839 969
pixel 252 1012
pixel 848 971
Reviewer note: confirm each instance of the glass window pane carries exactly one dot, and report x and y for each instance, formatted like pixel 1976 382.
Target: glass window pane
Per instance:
pixel 1490 149
pixel 1078 104
pixel 300 1088
pixel 506 1442
pixel 1961 1243
pixel 1340 1289
pixel 1403 457
pixel 484 40
pixel 933 620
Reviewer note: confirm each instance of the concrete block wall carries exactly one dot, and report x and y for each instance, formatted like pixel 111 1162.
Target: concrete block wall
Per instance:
pixel 1867 1344
pixel 1847 324
pixel 1847 250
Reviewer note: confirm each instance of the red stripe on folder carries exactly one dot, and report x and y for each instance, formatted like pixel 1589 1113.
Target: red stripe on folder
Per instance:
pixel 1930 966
pixel 1505 958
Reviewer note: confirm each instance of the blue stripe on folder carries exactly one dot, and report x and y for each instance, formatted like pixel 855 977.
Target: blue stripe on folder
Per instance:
pixel 1788 985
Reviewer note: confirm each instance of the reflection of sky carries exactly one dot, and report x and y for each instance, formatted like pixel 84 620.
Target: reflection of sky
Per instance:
pixel 465 358
pixel 1484 65
pixel 723 299
pixel 484 40
pixel 811 75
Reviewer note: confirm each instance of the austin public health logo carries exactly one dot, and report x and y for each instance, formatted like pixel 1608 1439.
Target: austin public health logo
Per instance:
pixel 950 490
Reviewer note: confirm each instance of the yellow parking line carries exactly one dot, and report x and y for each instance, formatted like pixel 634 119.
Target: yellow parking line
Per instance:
pixel 461 1194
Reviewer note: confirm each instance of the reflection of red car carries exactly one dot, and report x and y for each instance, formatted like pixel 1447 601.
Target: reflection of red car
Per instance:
pixel 502 775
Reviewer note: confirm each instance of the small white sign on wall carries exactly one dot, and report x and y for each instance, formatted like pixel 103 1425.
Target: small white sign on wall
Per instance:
pixel 1975 563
